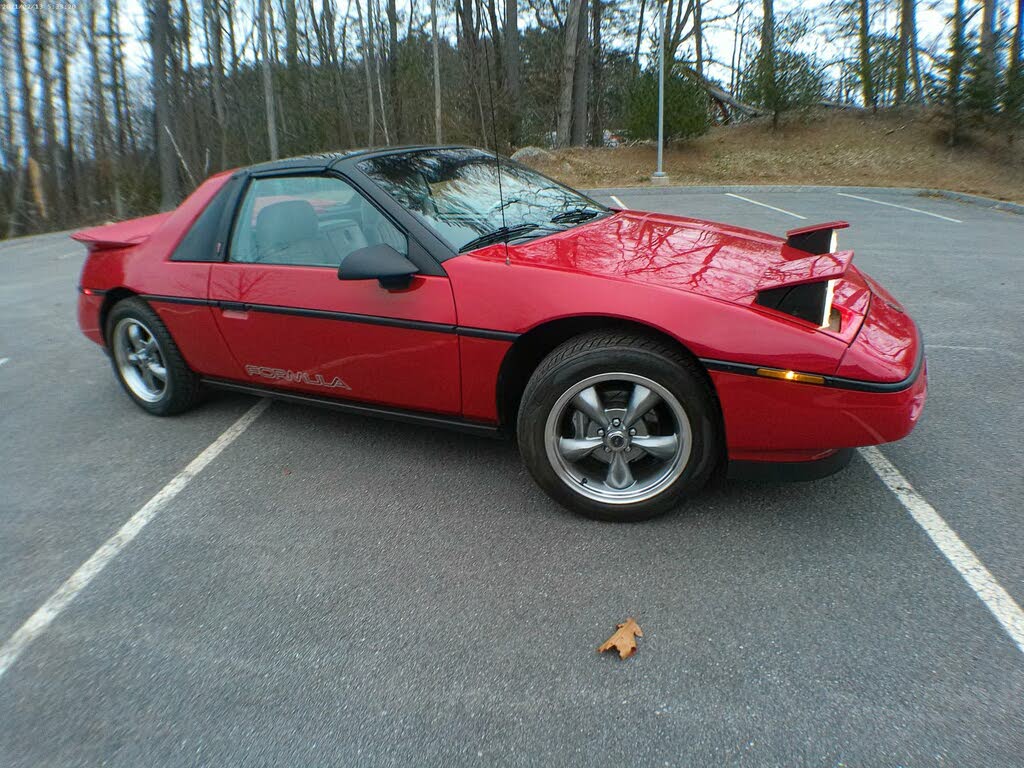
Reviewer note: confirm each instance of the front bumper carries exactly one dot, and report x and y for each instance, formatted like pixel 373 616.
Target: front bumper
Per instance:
pixel 772 420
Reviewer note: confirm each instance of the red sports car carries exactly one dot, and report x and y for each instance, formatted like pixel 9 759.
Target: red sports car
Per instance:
pixel 633 354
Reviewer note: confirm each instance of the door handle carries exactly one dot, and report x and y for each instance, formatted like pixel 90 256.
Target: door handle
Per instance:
pixel 234 309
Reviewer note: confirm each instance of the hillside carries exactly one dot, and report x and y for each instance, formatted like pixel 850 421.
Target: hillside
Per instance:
pixel 855 149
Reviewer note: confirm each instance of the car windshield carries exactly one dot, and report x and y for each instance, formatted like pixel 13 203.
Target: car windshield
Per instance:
pixel 455 192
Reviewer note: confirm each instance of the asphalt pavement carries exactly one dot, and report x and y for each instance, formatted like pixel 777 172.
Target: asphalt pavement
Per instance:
pixel 335 590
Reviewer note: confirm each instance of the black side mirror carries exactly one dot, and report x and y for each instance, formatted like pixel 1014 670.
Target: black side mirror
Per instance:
pixel 378 262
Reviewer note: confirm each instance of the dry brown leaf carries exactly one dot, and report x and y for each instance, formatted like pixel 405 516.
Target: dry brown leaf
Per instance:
pixel 622 640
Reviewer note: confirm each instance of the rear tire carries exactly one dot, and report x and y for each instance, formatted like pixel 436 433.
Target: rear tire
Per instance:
pixel 619 427
pixel 146 360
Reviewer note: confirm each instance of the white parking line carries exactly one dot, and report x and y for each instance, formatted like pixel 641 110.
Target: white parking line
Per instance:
pixel 4 360
pixel 765 205
pixel 79 580
pixel 903 207
pixel 977 576
pixel 619 203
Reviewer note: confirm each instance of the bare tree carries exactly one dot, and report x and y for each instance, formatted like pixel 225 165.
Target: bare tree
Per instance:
pixel 215 55
pixel 581 79
pixel 268 81
pixel 512 83
pixel 366 42
pixel 159 40
pixel 955 70
pixel 569 55
pixel 907 24
pixel 7 143
pixel 64 88
pixel 28 125
pixel 55 176
pixel 396 97
pixel 864 47
pixel 698 38
pixel 437 71
pixel 597 74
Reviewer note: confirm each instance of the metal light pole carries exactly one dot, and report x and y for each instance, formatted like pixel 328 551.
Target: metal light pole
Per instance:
pixel 659 176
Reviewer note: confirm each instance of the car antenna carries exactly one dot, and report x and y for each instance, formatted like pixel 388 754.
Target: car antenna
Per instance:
pixel 494 133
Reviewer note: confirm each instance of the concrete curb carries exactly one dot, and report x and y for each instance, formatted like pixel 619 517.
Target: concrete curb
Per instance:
pixel 960 197
pixel 984 202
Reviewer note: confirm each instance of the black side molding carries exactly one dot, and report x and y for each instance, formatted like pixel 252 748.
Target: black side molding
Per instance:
pixel 396 322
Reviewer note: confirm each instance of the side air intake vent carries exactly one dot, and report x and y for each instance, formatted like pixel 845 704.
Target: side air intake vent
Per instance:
pixel 809 301
pixel 817 238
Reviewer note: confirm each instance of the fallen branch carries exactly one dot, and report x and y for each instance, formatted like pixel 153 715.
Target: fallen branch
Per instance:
pixel 181 159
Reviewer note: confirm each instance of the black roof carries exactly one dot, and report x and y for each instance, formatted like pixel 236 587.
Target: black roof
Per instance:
pixel 325 160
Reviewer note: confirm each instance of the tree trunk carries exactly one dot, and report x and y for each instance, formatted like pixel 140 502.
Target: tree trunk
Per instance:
pixel 268 81
pixel 597 74
pixel 337 72
pixel 512 81
pixel 437 72
pixel 291 36
pixel 366 41
pixel 864 33
pixel 215 55
pixel 767 62
pixel 956 65
pixel 581 81
pixel 915 64
pixel 735 59
pixel 64 87
pixel 698 38
pixel 639 36
pixel 373 12
pixel 28 124
pixel 565 101
pixel 54 177
pixel 396 96
pixel 11 156
pixel 902 54
pixel 987 36
pixel 120 95
pixel 159 40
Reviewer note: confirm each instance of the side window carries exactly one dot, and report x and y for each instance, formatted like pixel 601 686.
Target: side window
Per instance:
pixel 307 220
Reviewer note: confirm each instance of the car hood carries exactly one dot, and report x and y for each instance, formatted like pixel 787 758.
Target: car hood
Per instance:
pixel 725 262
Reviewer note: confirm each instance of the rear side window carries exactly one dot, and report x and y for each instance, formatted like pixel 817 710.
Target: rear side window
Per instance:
pixel 311 221
pixel 202 241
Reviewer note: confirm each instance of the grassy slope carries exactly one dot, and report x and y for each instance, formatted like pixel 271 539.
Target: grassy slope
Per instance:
pixel 884 150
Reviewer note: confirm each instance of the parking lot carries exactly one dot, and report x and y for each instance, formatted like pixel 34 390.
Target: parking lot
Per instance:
pixel 335 590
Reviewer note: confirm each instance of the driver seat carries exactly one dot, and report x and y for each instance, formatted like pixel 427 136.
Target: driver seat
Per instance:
pixel 288 233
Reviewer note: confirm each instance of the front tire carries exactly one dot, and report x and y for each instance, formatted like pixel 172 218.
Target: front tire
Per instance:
pixel 619 427
pixel 147 362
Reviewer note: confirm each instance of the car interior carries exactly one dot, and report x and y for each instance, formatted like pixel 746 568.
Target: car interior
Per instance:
pixel 316 231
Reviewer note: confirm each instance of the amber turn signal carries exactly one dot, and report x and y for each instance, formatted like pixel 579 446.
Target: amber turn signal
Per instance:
pixel 803 378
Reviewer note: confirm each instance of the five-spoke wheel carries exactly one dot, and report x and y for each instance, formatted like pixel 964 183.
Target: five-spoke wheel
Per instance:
pixel 619 427
pixel 147 361
pixel 139 359
pixel 618 437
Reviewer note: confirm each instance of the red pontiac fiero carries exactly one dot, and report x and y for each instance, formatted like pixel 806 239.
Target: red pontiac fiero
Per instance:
pixel 631 353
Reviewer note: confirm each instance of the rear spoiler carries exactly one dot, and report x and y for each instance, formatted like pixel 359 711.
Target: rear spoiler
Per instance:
pixel 123 234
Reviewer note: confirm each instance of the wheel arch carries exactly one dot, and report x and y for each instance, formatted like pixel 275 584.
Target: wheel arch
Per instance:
pixel 112 298
pixel 526 353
